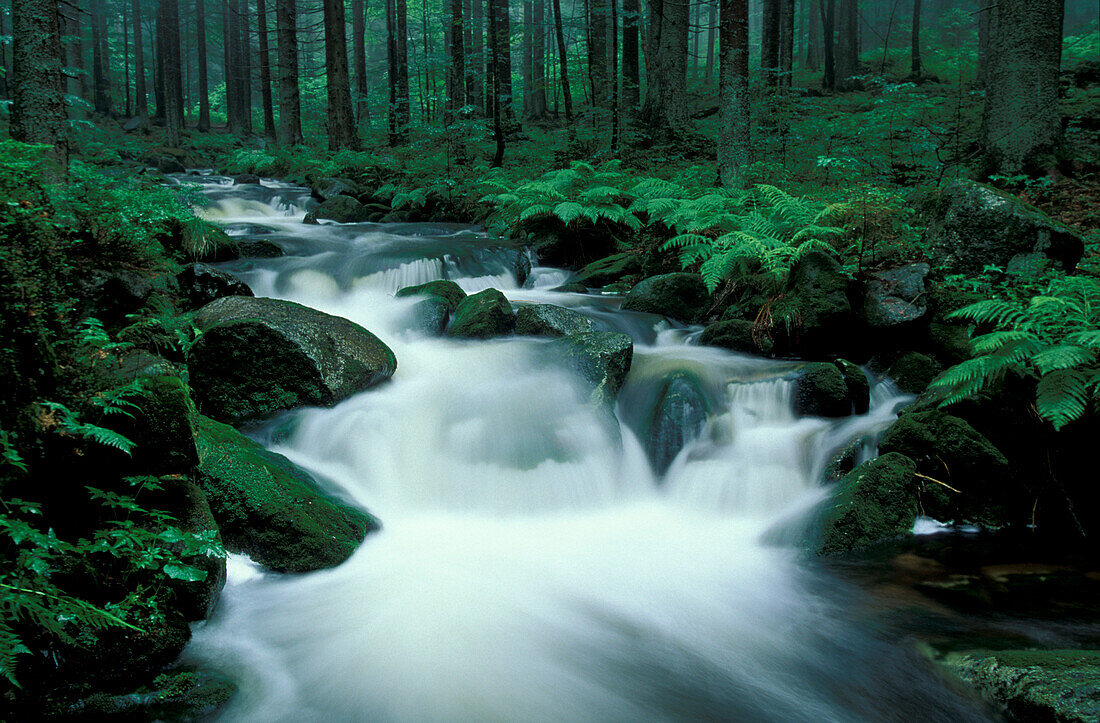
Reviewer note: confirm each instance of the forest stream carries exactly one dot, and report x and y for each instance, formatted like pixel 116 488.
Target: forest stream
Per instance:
pixel 533 565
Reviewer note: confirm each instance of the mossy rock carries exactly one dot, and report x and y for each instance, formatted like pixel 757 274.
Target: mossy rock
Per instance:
pixel 341 209
pixel 448 291
pixel 430 315
pixel 608 270
pixel 271 509
pixel 483 315
pixel 679 296
pixel 1061 686
pixel 260 356
pixel 735 335
pixel 820 391
pixel 550 320
pixel 913 372
pixel 876 501
pixel 601 358
pixel 200 284
pixel 973 476
pixel 678 418
pixel 814 316
pixel 180 695
pixel 859 388
pixel 571 288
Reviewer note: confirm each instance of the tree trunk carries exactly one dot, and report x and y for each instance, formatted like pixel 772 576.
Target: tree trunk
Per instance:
pixel 204 81
pixel 69 18
pixel 986 15
pixel 359 59
pixel 786 42
pixel 712 33
pixel 538 61
pixel 502 65
pixel 631 71
pixel 290 108
pixel 567 96
pixel 456 81
pixel 828 26
pixel 599 62
pixel 101 82
pixel 665 111
pixel 915 68
pixel 497 38
pixel 230 22
pixel 341 120
pixel 813 41
pixel 173 108
pixel 404 116
pixel 158 63
pixel 126 63
pixel 475 83
pixel 1021 124
pixel 734 135
pixel 265 70
pixel 847 53
pixel 38 102
pixel 769 42
pixel 244 67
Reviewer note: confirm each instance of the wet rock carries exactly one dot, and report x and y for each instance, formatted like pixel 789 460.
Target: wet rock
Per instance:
pixel 430 315
pixel 571 288
pixel 972 476
pixel 814 317
pixel 895 298
pixel 601 358
pixel 168 164
pixel 820 391
pixel 608 270
pixel 679 296
pixel 259 249
pixel 341 209
pixel 448 291
pixel 246 179
pixel 859 388
pixel 137 123
pixel 913 372
pixel 976 225
pixel 521 266
pixel 845 460
pixel 876 501
pixel 328 188
pixel 110 295
pixel 550 320
pixel 735 335
pixel 200 284
pixel 259 356
pixel 678 418
pixel 1034 685
pixel 176 696
pixel 483 315
pixel 270 509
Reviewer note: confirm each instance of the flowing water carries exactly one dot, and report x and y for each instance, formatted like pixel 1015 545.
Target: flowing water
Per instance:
pixel 542 560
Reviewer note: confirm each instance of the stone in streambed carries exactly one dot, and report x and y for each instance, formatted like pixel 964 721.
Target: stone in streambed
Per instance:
pixel 483 315
pixel 876 501
pixel 550 320
pixel 679 296
pixel 821 391
pixel 448 291
pixel 601 358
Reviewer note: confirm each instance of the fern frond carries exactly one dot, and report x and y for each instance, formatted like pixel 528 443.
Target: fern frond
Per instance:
pixel 1062 396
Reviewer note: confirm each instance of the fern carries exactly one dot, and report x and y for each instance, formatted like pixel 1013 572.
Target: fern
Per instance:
pixel 67 420
pixel 1053 336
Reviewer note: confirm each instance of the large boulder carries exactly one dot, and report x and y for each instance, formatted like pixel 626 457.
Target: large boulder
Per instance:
pixel 341 209
pixel 109 295
pixel 895 298
pixel 859 387
pixel 820 390
pixel 976 226
pixel 736 335
pixel 177 695
pixel 876 501
pixel 259 356
pixel 328 188
pixel 814 316
pixel 246 179
pixel 967 478
pixel 601 358
pixel 448 291
pixel 608 270
pixel 679 296
pixel 270 509
pixel 431 315
pixel 483 315
pixel 913 372
pixel 550 320
pixel 258 248
pixel 200 284
pixel 678 418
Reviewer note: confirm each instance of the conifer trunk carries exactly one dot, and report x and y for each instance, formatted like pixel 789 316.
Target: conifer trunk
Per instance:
pixel 290 108
pixel 734 135
pixel 341 119
pixel 567 96
pixel 665 110
pixel 38 103
pixel 204 81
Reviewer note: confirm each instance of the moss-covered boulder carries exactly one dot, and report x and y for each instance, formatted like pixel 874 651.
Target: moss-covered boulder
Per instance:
pixel 482 316
pixel 608 270
pixel 571 288
pixel 200 284
pixel 913 372
pixel 876 501
pixel 736 335
pixel 271 509
pixel 975 226
pixel 109 295
pixel 258 248
pixel 814 316
pixel 259 356
pixel 601 358
pixel 324 189
pixel 1061 686
pixel 550 320
pixel 679 296
pixel 430 315
pixel 448 291
pixel 175 696
pixel 895 298
pixel 820 391
pixel 678 418
pixel 341 209
pixel 180 497
pixel 246 179
pixel 972 478
pixel 859 387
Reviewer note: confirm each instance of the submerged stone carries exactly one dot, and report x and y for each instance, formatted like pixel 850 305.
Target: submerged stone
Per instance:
pixel 678 418
pixel 448 291
pixel 341 209
pixel 482 316
pixel 601 358
pixel 550 320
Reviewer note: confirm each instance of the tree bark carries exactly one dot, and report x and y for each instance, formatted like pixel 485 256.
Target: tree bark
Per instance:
pixel 665 110
pixel 173 107
pixel 828 26
pixel 475 61
pixel 341 119
pixel 915 66
pixel 599 61
pixel 786 42
pixel 404 116
pixel 38 102
pixel 986 16
pixel 538 60
pixel 502 65
pixel 567 96
pixel 1021 123
pixel 769 42
pixel 244 66
pixel 204 81
pixel 290 109
pixel 496 39
pixel 631 71
pixel 359 59
pixel 712 34
pixel 847 53
pixel 101 82
pixel 69 19
pixel 230 22
pixel 734 139
pixel 813 40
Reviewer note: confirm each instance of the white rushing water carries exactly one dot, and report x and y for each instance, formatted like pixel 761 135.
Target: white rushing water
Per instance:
pixel 533 565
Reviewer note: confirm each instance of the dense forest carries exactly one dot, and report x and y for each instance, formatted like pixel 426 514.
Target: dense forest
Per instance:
pixel 817 281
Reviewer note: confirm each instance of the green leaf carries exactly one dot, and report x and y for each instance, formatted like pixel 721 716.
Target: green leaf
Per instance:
pixel 184 572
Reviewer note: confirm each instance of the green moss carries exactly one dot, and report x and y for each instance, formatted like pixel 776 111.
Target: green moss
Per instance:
pixel 483 315
pixel 735 335
pixel 913 372
pixel 269 508
pixel 601 358
pixel 859 388
pixel 608 270
pixel 678 296
pixel 820 391
pixel 876 501
pixel 550 320
pixel 448 291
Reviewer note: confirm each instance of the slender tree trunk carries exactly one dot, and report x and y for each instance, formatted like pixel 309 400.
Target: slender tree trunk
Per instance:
pixel 173 109
pixel 69 18
pixel 986 15
pixel 231 23
pixel 38 103
pixel 359 59
pixel 502 65
pixel 615 121
pixel 828 25
pixel 5 67
pixel 712 34
pixel 1022 123
pixel 847 55
pixel 665 111
pixel 244 67
pixel 265 70
pixel 527 65
pixel 204 81
pixel 599 62
pixel 290 109
pixel 631 70
pixel 475 83
pixel 456 81
pixel 341 119
pixel 538 61
pixel 786 42
pixel 126 64
pixel 101 83
pixel 497 38
pixel 769 42
pixel 404 116
pixel 567 97
pixel 813 41
pixel 158 63
pixel 915 67
pixel 734 140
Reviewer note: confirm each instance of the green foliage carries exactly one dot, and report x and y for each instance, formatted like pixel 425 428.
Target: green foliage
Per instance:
pixel 1053 336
